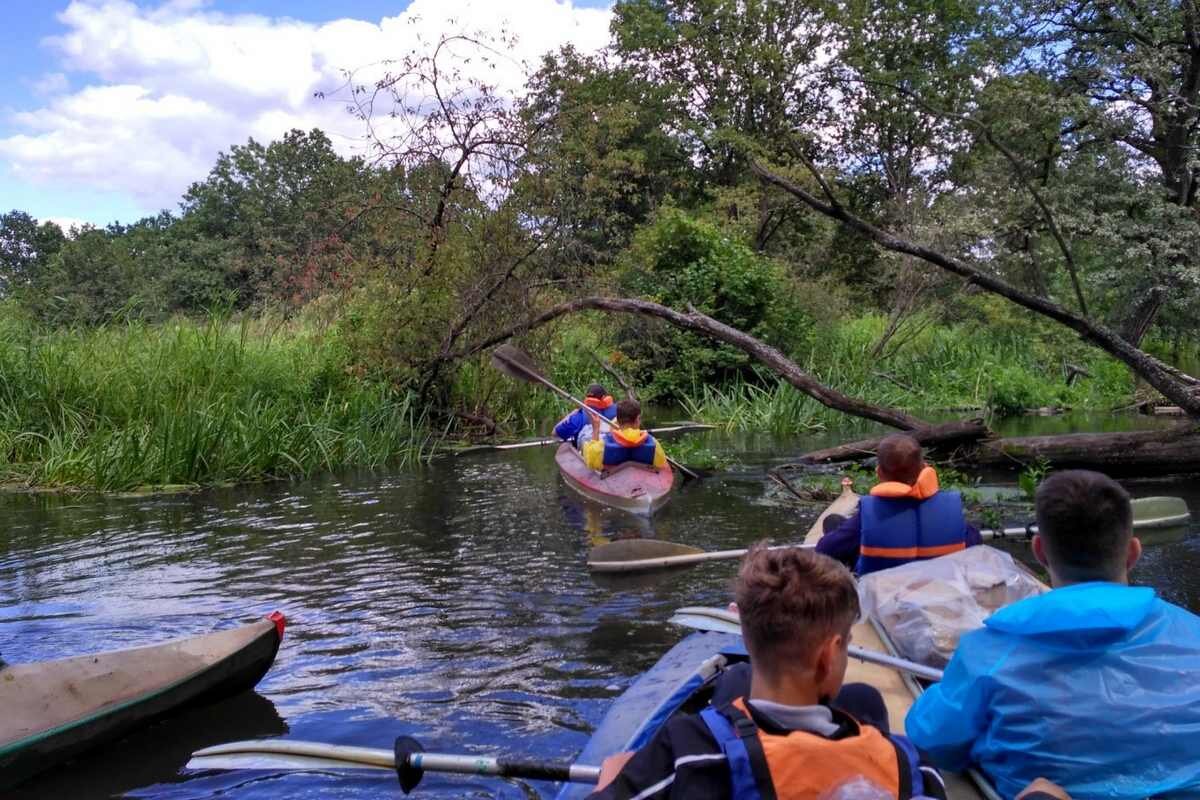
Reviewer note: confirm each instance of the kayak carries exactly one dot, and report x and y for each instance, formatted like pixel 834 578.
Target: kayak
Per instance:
pixel 683 678
pixel 54 710
pixel 633 487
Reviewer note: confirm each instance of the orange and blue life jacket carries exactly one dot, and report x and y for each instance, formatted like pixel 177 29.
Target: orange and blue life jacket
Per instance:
pixel 800 765
pixel 628 444
pixel 568 429
pixel 902 523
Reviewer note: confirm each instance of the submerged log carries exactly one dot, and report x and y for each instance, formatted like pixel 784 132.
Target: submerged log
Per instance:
pixel 1157 452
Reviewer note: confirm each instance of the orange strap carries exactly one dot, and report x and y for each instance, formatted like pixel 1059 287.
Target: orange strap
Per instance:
pixel 629 437
pixel 599 403
pixel 926 486
pixel 913 552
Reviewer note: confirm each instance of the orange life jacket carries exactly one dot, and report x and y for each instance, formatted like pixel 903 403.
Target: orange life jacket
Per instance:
pixel 802 765
pixel 599 403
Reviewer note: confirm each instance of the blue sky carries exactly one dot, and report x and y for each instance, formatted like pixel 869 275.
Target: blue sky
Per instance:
pixel 113 107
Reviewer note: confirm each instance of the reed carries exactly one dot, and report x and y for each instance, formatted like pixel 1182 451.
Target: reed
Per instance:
pixel 189 403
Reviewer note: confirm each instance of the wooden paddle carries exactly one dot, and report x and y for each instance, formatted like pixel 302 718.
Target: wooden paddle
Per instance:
pixel 517 364
pixel 723 621
pixel 634 555
pixel 407 758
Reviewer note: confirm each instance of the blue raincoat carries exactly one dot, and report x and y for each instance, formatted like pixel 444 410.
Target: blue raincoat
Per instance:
pixel 1095 686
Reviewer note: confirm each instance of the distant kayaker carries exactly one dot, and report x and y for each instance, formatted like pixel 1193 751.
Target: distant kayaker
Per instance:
pixel 626 441
pixel 575 427
pixel 1092 685
pixel 905 518
pixel 783 737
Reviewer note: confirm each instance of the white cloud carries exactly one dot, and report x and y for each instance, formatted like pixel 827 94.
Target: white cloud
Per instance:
pixel 171 86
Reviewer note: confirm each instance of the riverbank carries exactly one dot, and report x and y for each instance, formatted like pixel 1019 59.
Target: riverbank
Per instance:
pixel 187 404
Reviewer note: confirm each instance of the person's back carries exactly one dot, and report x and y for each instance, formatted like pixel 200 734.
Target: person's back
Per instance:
pixel 1092 685
pixel 906 517
pixel 625 442
pixel 575 427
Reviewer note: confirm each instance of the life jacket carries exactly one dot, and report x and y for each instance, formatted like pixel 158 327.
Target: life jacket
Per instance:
pixel 628 444
pixel 902 523
pixel 799 765
pixel 605 405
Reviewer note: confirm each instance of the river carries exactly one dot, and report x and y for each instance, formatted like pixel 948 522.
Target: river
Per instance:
pixel 450 603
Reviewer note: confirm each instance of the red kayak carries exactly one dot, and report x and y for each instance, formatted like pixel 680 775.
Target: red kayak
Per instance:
pixel 633 487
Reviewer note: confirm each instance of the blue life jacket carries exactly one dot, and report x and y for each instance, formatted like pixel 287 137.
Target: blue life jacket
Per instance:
pixel 897 530
pixel 568 430
pixel 616 453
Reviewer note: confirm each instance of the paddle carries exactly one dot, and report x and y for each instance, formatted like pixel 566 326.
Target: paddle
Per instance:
pixel 633 555
pixel 517 364
pixel 722 621
pixel 686 427
pixel 406 757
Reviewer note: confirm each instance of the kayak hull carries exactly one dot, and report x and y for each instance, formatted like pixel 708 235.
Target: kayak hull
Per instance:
pixel 55 710
pixel 631 487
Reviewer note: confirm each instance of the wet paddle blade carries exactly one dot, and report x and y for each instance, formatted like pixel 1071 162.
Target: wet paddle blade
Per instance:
pixel 1160 512
pixel 516 364
pixel 639 549
pixel 285 754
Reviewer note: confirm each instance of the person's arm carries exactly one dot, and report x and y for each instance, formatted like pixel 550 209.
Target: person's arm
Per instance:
pixel 842 542
pixel 593 451
pixel 951 715
pixel 570 425
pixel 650 766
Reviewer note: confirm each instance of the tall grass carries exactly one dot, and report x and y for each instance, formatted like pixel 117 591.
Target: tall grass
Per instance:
pixel 130 406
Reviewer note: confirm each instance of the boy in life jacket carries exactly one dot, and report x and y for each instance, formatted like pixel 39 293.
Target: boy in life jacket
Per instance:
pixel 905 518
pixel 1092 685
pixel 577 422
pixel 626 441
pixel 783 738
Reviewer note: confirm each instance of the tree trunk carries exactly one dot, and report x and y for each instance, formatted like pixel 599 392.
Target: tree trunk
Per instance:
pixel 705 325
pixel 946 436
pixel 1159 452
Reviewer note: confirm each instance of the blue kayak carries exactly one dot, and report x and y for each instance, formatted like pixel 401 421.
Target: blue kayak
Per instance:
pixel 663 690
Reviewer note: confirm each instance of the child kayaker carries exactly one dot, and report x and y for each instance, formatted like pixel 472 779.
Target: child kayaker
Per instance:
pixel 783 738
pixel 625 442
pixel 905 518
pixel 577 422
pixel 1092 685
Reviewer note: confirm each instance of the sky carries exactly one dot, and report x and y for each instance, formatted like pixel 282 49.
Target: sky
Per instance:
pixel 112 108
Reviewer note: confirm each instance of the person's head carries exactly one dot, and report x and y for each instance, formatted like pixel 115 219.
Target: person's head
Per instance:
pixel 597 391
pixel 629 414
pixel 1085 528
pixel 900 459
pixel 796 607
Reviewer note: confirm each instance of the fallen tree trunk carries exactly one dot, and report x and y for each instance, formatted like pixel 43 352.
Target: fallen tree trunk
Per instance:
pixel 1156 452
pixel 941 437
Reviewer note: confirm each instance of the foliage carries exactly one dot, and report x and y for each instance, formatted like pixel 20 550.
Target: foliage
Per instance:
pixel 25 247
pixel 682 262
pixel 128 405
pixel 1031 476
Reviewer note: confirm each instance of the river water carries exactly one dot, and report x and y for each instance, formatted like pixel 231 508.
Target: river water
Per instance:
pixel 451 603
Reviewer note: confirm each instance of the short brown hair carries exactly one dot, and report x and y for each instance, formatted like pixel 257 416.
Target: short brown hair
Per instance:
pixel 1086 520
pixel 596 390
pixel 790 600
pixel 900 458
pixel 628 411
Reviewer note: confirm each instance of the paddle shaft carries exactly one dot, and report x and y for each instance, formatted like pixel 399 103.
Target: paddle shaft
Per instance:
pixel 386 759
pixel 584 406
pixel 663 562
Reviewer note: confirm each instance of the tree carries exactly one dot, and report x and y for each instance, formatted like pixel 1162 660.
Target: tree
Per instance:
pixel 25 247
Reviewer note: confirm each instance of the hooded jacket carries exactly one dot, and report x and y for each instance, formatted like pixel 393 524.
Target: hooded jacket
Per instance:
pixel 1094 686
pixel 569 427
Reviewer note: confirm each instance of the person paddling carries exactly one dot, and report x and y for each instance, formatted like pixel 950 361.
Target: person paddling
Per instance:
pixel 570 427
pixel 1092 685
pixel 905 518
pixel 626 441
pixel 784 738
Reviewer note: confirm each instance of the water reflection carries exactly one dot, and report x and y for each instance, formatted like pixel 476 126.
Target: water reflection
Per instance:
pixel 451 604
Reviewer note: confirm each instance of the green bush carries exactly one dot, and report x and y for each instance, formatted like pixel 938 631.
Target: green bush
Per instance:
pixel 680 261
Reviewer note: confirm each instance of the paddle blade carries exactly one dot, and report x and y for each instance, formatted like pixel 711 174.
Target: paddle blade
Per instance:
pixel 516 364
pixel 408 774
pixel 639 549
pixel 280 754
pixel 1160 512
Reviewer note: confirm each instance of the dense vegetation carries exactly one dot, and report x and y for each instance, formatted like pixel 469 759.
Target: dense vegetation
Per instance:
pixel 305 310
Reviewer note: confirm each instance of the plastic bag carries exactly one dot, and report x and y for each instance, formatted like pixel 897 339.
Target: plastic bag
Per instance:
pixel 857 788
pixel 926 606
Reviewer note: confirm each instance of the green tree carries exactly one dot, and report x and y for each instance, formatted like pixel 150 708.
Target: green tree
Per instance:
pixel 25 248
